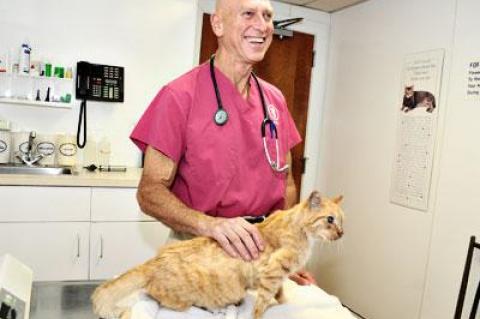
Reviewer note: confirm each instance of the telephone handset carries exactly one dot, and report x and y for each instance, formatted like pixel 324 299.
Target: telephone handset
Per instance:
pixel 96 82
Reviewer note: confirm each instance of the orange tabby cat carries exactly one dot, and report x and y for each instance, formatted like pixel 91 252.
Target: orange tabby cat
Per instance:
pixel 198 272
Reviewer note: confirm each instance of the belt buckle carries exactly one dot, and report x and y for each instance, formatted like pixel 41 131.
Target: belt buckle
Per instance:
pixel 254 219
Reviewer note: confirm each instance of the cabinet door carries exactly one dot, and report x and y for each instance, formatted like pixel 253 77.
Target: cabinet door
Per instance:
pixel 116 204
pixel 28 204
pixel 54 251
pixel 118 246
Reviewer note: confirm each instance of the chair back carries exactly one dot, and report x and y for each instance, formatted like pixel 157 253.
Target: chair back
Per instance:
pixel 463 287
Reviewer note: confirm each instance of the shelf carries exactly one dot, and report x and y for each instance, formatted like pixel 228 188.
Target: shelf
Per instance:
pixel 55 105
pixel 27 76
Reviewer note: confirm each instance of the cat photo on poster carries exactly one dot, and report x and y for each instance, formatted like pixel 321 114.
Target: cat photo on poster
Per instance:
pixel 413 99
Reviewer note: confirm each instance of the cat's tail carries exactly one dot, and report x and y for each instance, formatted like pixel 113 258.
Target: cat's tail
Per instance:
pixel 106 297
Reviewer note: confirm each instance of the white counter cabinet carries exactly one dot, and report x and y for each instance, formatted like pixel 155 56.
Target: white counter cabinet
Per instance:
pixel 121 236
pixel 76 233
pixel 118 246
pixel 54 250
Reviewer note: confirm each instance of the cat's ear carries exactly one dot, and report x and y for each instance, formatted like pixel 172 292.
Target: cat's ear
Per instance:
pixel 314 201
pixel 337 199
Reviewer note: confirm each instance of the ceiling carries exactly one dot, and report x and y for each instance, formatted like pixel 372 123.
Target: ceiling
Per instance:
pixel 324 5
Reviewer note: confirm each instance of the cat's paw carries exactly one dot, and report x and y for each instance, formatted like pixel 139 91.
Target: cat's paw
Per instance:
pixel 257 314
pixel 259 310
pixel 126 314
pixel 280 299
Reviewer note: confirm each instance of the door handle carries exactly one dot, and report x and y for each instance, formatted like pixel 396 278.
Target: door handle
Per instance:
pixel 78 245
pixel 304 164
pixel 101 248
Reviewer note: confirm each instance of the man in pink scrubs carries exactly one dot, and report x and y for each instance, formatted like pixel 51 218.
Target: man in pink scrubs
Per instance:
pixel 200 177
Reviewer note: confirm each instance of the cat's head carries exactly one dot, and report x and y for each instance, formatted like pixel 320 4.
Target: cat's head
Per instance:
pixel 409 89
pixel 323 217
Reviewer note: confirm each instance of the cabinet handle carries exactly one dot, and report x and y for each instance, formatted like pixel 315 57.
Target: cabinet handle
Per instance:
pixel 101 247
pixel 78 245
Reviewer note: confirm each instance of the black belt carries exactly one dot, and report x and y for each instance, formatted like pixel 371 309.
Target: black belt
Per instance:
pixel 255 219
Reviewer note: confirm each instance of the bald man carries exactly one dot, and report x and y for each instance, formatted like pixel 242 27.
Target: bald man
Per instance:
pixel 205 170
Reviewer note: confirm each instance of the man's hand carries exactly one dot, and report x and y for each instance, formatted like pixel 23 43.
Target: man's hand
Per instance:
pixel 237 237
pixel 303 278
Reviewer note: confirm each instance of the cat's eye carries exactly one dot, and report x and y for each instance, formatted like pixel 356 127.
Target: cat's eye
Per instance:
pixel 330 219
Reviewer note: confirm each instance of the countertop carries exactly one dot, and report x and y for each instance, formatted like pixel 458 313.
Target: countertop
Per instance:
pixel 80 178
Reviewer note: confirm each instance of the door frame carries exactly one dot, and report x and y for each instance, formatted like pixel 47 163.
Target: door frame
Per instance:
pixel 316 23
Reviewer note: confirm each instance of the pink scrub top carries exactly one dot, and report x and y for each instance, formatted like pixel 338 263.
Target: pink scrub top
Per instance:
pixel 222 170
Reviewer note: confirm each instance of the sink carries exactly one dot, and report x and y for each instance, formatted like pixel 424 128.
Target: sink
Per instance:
pixel 34 170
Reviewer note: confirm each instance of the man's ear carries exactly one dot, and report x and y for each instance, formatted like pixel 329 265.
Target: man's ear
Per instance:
pixel 314 201
pixel 217 24
pixel 337 199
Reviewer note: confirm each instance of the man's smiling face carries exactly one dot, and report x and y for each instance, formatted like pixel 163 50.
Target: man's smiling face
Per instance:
pixel 247 28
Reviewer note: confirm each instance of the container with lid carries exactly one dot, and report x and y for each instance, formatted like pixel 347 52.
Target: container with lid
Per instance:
pixel 46 145
pixel 5 141
pixel 66 150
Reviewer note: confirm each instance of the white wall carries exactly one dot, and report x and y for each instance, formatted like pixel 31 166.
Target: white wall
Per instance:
pixel 153 40
pixel 396 262
pixel 457 214
pixel 379 268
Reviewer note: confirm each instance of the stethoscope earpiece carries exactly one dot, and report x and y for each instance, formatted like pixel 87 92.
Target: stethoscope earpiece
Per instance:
pixel 221 117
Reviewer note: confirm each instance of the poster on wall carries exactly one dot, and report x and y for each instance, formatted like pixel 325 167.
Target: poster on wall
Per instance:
pixel 416 129
pixel 473 80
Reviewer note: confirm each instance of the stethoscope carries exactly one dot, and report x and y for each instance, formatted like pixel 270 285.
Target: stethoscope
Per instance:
pixel 221 117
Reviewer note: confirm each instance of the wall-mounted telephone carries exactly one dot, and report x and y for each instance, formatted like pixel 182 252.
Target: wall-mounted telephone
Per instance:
pixel 98 82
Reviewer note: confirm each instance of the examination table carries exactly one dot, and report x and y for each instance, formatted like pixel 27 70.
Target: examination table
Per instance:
pixel 71 300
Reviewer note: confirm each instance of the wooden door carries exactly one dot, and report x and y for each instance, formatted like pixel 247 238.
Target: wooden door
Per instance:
pixel 287 65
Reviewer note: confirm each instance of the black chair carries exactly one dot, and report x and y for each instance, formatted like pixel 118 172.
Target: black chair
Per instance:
pixel 463 287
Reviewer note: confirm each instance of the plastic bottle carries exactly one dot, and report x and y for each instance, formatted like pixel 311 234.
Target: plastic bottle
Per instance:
pixel 90 155
pixel 24 59
pixel 104 151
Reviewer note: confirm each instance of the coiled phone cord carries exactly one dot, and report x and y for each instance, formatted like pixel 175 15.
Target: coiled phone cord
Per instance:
pixel 82 116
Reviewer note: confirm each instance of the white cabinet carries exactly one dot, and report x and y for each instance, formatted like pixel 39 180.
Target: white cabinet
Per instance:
pixel 28 204
pixel 118 246
pixel 76 233
pixel 116 204
pixel 121 235
pixel 54 251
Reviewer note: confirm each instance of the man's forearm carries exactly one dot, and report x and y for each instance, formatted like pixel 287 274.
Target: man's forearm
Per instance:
pixel 291 194
pixel 159 202
pixel 291 189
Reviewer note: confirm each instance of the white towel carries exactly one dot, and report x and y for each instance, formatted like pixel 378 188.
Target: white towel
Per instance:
pixel 302 302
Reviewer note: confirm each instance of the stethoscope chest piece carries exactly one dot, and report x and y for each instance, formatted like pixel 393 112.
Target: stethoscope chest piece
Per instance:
pixel 220 117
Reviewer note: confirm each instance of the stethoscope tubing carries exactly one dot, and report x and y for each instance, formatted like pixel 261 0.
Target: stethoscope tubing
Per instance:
pixel 274 164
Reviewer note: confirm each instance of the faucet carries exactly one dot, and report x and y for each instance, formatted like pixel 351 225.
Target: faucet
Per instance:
pixel 31 156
